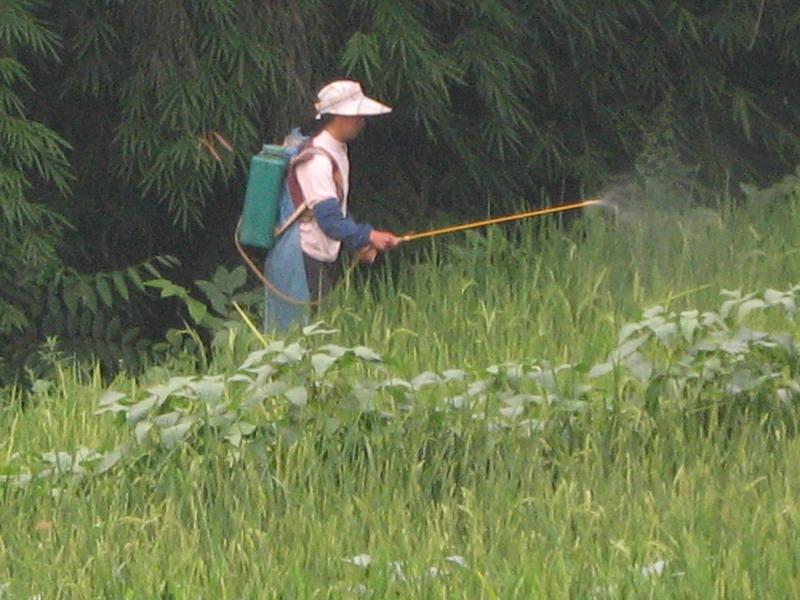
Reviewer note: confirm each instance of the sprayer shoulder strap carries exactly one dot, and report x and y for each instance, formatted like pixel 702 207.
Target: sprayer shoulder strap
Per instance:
pixel 296 192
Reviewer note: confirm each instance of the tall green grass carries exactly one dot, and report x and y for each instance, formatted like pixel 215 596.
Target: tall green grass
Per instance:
pixel 541 291
pixel 605 505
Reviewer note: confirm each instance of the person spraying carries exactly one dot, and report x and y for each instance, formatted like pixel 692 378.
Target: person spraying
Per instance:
pixel 314 223
pixel 296 207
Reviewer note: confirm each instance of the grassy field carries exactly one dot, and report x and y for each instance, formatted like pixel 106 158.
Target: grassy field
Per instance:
pixel 663 471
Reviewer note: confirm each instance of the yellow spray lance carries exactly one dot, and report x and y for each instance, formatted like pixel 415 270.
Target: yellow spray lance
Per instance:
pixel 410 237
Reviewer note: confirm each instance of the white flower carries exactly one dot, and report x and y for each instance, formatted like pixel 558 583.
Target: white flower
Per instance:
pixel 359 560
pixel 653 569
pixel 457 560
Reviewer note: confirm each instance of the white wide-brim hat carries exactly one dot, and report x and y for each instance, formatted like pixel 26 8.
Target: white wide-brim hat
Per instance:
pixel 346 98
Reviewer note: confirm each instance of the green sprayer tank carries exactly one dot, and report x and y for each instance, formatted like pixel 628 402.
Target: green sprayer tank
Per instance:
pixel 263 196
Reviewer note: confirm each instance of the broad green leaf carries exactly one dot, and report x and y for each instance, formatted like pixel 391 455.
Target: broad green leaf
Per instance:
pixel 274 388
pixel 120 285
pixel 365 353
pixel 713 319
pixel 110 397
pixel 666 333
pixel 396 382
pixel 168 289
pixel 170 436
pixel 292 353
pixel 511 412
pixel 545 378
pixel 734 346
pixel 321 363
pixel 89 297
pixel 478 387
pixel 63 462
pixel 263 374
pixel 639 366
pixel 749 306
pixel 786 300
pixel 316 329
pixel 141 430
pixel 141 409
pixel 72 296
pixel 254 358
pixel 109 460
pixel 104 292
pixel 237 278
pixel 365 397
pixel 197 310
pixel 298 396
pixel 424 379
pixel 209 390
pixel 627 331
pixel 256 395
pixel 628 348
pixel 112 408
pixel 600 370
pixel 653 311
pixel 727 307
pixel 167 419
pixel 175 384
pixel 221 418
pixel 236 431
pixel 453 375
pixel 334 350
pixel 689 323
pixel 219 302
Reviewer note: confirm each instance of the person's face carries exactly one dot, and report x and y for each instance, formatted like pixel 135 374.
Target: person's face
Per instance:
pixel 348 128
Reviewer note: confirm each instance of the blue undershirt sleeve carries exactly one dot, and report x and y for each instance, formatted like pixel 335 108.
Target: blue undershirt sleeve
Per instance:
pixel 336 226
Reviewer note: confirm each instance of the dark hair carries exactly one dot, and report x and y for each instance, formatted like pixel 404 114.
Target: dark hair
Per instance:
pixel 313 126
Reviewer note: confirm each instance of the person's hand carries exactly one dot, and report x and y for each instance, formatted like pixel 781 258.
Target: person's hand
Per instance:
pixel 367 254
pixel 383 240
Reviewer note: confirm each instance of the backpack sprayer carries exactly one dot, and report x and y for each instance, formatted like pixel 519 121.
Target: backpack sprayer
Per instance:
pixel 265 188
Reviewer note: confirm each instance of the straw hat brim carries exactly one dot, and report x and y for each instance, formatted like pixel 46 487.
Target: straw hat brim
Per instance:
pixel 357 107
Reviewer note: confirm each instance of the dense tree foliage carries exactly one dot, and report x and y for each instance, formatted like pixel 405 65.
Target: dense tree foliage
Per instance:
pixel 110 110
